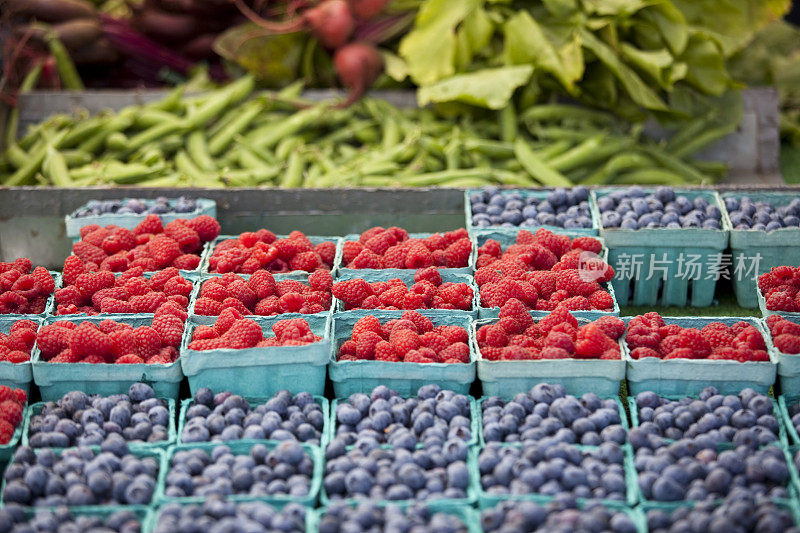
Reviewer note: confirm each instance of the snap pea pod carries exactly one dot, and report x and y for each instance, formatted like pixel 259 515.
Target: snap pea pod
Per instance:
pixel 195 175
pixel 153 134
pixel 223 138
pixel 16 155
pixel 35 159
pixel 198 150
pixel 670 162
pixel 265 155
pixel 74 158
pixel 147 118
pixel 55 168
pixel 82 131
pixel 703 139
pixel 293 175
pixel 287 146
pixel 552 150
pixel 28 83
pixel 117 141
pixel 149 154
pixel 537 168
pixel 592 150
pixel 248 159
pixel 618 163
pixel 559 112
pixel 120 122
pixel 391 133
pixel 507 119
pixel 66 68
pixel 489 148
pixel 290 126
pixel 172 102
pixel 651 176
pixel 219 101
pixel 171 180
pixel 555 133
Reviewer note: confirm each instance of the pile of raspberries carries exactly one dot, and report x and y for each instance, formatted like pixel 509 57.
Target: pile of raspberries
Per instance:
pixel 115 342
pixel 427 292
pixel 649 336
pixel 515 336
pixel 262 250
pixel 24 289
pixel 16 346
pixel 234 332
pixel 781 288
pixel 151 245
pixel 785 334
pixel 262 295
pixel 129 292
pixel 12 403
pixel 410 339
pixel 543 271
pixel 392 248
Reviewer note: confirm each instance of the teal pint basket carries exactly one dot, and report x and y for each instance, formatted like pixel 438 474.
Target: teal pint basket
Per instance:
pixel 793 439
pixel 49 307
pixel 395 272
pixel 254 402
pixel 687 377
pixel 56 379
pixel 539 194
pixel 349 377
pixel 465 514
pixel 508 378
pixel 668 254
pixel 36 409
pixel 260 372
pixel 16 375
pixel 243 448
pixel 788 364
pixel 7 450
pixel 487 500
pixel 407 276
pixel 773 248
pixel 74 224
pixel 762 305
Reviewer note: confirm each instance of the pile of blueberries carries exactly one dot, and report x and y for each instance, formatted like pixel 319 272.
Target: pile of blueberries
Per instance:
pixel 366 516
pixel 225 417
pixel 633 208
pixel 218 514
pixel 13 519
pixel 284 470
pixel 134 206
pixel 746 419
pixel 746 214
pixel 560 515
pixel 367 470
pixel 433 417
pixel 78 419
pixel 81 476
pixel 740 511
pixel 548 415
pixel 555 469
pixel 564 208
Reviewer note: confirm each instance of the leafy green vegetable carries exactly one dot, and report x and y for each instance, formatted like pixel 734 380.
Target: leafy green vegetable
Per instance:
pixel 490 88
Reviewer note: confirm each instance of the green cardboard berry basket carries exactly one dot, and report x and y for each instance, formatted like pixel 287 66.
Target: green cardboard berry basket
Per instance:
pixel 315 239
pixel 440 504
pixel 487 500
pixel 622 416
pixel 792 439
pixel 349 377
pixel 468 516
pixel 508 378
pixel 775 248
pixel 254 402
pixel 49 307
pixel 209 320
pixel 507 239
pixel 158 454
pixel 56 379
pixel 152 522
pixel 788 364
pixel 407 276
pixel 131 220
pixel 474 415
pixel 776 410
pixel 259 372
pixel 16 375
pixel 7 450
pixel 540 194
pixel 36 409
pixel 660 249
pixel 243 448
pixel 762 305
pixel 687 377
pixel 393 272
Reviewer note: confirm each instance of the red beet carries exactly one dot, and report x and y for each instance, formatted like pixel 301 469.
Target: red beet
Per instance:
pixel 331 22
pixel 358 66
pixel 367 9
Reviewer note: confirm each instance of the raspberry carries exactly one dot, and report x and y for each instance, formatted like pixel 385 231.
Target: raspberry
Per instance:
pixel 348 348
pixel 242 334
pixel 751 338
pixel 88 253
pixel 560 340
pixel 207 307
pixel 421 322
pixel 418 256
pixel 414 356
pixel 366 343
pixel 434 341
pixel 553 352
pixel 129 359
pixel 458 253
pixel 496 337
pixel 642 352
pixel 87 339
pixel 326 251
pixel 19 396
pixel 350 251
pixel 780 301
pixel 306 261
pixel 43 281
pixel 148 341
pixel 384 351
pixel 459 295
pixel 404 341
pixel 73 267
pixel 321 280
pixel 517 311
pixel 366 259
pixel 457 351
pixel 163 250
pixel 207 227
pixel 612 326
pixel 11 412
pixel 491 354
pixel 169 328
pixel 558 316
pixel 430 274
pixel 351 292
pixel 601 299
pixel 53 338
pixel 367 323
pixel 122 342
pixel 6 432
pixel 17 356
pixel 589 244
pixel 380 242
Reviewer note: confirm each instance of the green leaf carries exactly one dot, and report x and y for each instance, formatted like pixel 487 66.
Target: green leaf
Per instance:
pixel 706 65
pixel 572 59
pixel 478 28
pixel 430 48
pixel 671 24
pixel 394 66
pixel 561 8
pixel 654 63
pixel 526 43
pixel 490 88
pixel 616 8
pixel 275 59
pixel 638 90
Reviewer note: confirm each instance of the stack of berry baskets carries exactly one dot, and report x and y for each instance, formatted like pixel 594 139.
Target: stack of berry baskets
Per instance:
pixel 101 355
pixel 778 292
pixel 250 251
pixel 244 483
pixel 428 349
pixel 133 211
pixel 514 354
pixel 544 270
pixel 13 411
pixel 764 234
pixel 26 291
pixel 394 251
pixel 783 343
pixel 239 354
pixel 295 295
pixel 671 254
pixel 558 210
pixel 682 355
pixel 17 338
